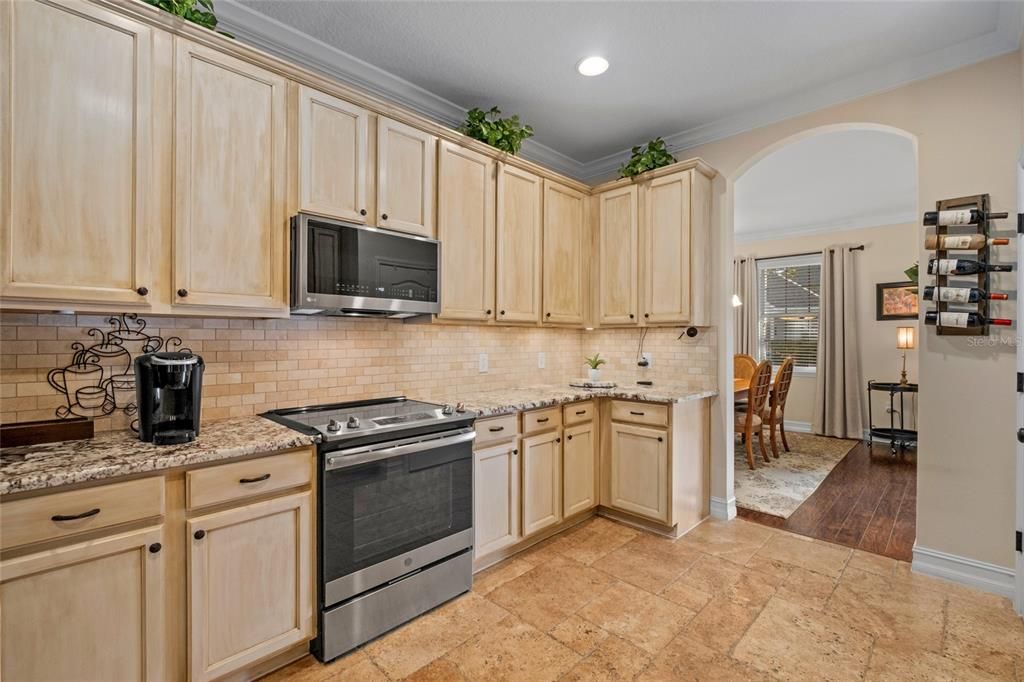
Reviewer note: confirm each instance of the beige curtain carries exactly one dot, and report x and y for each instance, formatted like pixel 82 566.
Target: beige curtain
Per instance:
pixel 838 409
pixel 744 285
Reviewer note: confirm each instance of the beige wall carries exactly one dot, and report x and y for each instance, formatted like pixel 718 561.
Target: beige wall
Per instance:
pixel 888 251
pixel 966 413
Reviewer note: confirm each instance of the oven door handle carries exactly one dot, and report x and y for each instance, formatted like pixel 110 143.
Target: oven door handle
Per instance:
pixel 362 456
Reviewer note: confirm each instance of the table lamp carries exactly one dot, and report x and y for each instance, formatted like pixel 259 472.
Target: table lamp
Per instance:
pixel 904 342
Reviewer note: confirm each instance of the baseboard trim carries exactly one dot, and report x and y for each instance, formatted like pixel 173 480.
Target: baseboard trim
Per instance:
pixel 798 427
pixel 723 509
pixel 980 575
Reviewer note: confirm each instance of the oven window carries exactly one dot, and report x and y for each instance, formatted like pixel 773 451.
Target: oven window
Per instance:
pixel 380 510
pixel 353 261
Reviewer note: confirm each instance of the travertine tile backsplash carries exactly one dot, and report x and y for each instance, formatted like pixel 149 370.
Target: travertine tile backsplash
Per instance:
pixel 256 365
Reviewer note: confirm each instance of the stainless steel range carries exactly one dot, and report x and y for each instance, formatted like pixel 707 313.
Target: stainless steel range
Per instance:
pixel 396 513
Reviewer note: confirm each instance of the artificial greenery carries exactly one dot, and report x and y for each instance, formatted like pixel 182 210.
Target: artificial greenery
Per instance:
pixel 197 11
pixel 596 361
pixel 646 157
pixel 506 134
pixel 912 273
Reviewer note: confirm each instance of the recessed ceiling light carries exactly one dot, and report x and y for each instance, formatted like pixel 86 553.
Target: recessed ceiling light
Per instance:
pixel 592 66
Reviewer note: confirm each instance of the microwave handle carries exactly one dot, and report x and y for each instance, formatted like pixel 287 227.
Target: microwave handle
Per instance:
pixel 343 461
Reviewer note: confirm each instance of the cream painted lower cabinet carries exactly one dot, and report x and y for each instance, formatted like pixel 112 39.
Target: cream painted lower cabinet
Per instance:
pixel 639 475
pixel 88 611
pixel 542 481
pixel 579 468
pixel 250 588
pixel 497 499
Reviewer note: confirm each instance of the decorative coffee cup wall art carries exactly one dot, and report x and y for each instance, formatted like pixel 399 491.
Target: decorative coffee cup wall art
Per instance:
pixel 101 376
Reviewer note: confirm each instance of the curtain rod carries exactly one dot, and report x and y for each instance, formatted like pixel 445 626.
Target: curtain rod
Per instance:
pixel 859 247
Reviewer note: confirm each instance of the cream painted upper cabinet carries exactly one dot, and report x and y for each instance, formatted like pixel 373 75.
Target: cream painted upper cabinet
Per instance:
pixel 230 221
pixel 465 227
pixel 618 243
pixel 250 584
pixel 519 227
pixel 405 178
pixel 666 235
pixel 75 154
pixel 332 156
pixel 566 253
pixel 542 481
pixel 101 601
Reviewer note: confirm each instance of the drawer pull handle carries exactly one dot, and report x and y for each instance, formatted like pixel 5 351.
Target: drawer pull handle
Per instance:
pixel 543 419
pixel 199 534
pixel 639 414
pixel 258 479
pixel 75 517
pixel 495 429
pixel 580 412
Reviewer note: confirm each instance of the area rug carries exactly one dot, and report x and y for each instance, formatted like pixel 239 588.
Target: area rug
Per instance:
pixel 779 487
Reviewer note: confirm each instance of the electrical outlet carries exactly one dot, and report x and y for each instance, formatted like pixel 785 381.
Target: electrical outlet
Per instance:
pixel 542 360
pixel 483 363
pixel 649 357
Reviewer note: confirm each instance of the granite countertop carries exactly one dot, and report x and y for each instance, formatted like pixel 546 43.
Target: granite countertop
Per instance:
pixel 508 400
pixel 120 453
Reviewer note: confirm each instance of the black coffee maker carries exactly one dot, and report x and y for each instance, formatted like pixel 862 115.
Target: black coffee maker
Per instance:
pixel 167 391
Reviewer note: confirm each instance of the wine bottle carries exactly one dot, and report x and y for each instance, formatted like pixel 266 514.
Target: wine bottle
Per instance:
pixel 960 295
pixel 963 242
pixel 962 266
pixel 962 217
pixel 964 320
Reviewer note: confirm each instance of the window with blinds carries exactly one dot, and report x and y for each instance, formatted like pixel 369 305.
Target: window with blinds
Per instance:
pixel 789 302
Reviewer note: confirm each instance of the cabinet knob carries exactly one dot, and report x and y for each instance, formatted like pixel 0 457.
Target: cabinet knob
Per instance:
pixel 182 293
pixel 660 439
pixel 558 440
pixel 142 291
pixel 502 312
pixel 631 316
pixel 383 216
pixel 362 211
pixel 547 315
pixel 647 314
pixel 199 534
pixel 515 451
pixel 568 437
pixel 488 311
pixel 155 547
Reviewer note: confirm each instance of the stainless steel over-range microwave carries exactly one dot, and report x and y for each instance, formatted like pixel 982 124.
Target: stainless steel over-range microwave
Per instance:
pixel 340 268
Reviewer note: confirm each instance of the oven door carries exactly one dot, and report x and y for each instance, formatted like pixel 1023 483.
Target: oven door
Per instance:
pixel 390 509
pixel 342 267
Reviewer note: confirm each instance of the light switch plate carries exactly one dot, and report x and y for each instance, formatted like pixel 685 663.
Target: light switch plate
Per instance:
pixel 542 360
pixel 483 363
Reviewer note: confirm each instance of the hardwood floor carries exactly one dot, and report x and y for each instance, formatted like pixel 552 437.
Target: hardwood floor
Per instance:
pixel 869 502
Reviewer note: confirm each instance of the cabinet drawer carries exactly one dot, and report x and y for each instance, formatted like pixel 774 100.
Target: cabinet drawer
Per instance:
pixel 54 516
pixel 541 420
pixel 577 413
pixel 639 413
pixel 496 430
pixel 238 480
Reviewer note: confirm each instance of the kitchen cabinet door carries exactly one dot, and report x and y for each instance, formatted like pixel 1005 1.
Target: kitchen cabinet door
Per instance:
pixel 405 178
pixel 617 297
pixel 518 251
pixel 542 481
pixel 466 231
pixel 332 156
pixel 76 154
pixel 579 468
pixel 250 584
pixel 566 252
pixel 496 498
pixel 88 611
pixel 230 222
pixel 667 246
pixel 639 471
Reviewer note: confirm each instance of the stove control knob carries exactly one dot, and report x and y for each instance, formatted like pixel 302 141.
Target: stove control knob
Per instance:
pixel 447 409
pixel 460 407
pixel 353 422
pixel 334 425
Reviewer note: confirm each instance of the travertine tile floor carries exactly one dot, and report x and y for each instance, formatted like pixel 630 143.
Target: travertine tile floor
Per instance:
pixel 729 601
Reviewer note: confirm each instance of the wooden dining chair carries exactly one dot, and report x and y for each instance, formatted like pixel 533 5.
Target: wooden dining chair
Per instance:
pixel 743 367
pixel 749 420
pixel 775 414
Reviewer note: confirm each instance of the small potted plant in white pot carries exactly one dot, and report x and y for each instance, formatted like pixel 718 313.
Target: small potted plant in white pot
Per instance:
pixel 594 368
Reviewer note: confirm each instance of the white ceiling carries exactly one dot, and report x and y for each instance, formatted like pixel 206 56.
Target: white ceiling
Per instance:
pixel 833 181
pixel 687 71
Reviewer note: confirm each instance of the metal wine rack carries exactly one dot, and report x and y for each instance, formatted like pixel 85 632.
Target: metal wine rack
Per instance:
pixel 981 203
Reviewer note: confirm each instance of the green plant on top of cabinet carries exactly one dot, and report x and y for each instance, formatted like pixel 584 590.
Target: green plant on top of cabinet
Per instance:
pixel 406 158
pixel 506 134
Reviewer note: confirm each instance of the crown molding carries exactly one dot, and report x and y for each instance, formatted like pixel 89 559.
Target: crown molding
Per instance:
pixel 288 43
pixel 854 222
